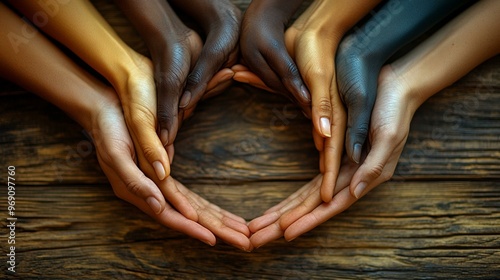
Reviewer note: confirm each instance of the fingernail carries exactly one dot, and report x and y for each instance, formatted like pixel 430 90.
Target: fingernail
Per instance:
pixel 360 188
pixel 186 97
pixel 154 204
pixel 291 239
pixel 164 137
pixel 325 126
pixel 159 170
pixel 246 249
pixel 305 93
pixel 356 153
pixel 207 242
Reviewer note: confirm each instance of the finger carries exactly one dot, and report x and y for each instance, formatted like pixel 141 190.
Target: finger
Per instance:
pixel 263 221
pixel 319 80
pixel 232 216
pixel 313 200
pixel 319 141
pixel 291 204
pixel 305 206
pixel 134 180
pixel 141 123
pixel 224 214
pixel 358 121
pixel 239 67
pixel 204 207
pixel 266 235
pixel 219 83
pixel 220 228
pixel 304 189
pixel 235 225
pixel 347 170
pixel 222 76
pixel 274 213
pixel 321 214
pixel 221 87
pixel 214 54
pixel 169 217
pixel 378 166
pixel 333 147
pixel 288 73
pixel 169 85
pixel 187 113
pixel 176 221
pixel 358 89
pixel 262 70
pixel 250 78
pixel 178 199
pixel 171 153
pixel 322 162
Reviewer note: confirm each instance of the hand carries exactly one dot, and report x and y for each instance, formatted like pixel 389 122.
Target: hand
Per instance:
pixel 81 28
pixel 188 212
pixel 220 21
pixel 312 43
pixel 304 210
pixel 362 54
pixel 263 48
pixel 96 107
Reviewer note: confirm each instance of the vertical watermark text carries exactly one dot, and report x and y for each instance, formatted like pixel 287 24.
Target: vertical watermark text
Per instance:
pixel 11 219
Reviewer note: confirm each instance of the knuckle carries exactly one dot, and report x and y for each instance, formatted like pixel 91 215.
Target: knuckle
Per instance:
pixel 141 117
pixel 134 186
pixel 148 151
pixel 195 78
pixel 391 134
pixel 166 113
pixel 291 70
pixel 170 80
pixel 376 170
pixel 318 73
pixel 352 93
pixel 386 175
pixel 360 131
pixel 324 106
pixel 271 48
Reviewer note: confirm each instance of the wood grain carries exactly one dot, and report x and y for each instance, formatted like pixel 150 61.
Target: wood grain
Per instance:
pixel 401 229
pixel 246 135
pixel 246 150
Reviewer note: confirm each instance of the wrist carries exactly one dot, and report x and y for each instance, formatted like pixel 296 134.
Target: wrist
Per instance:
pixel 281 10
pixel 126 69
pixel 88 107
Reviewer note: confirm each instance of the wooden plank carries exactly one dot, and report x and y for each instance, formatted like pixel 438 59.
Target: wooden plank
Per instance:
pixel 259 137
pixel 419 230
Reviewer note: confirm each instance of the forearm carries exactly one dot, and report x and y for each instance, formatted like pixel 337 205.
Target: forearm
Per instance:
pixel 208 13
pixel 398 23
pixel 153 19
pixel 282 10
pixel 452 52
pixel 80 27
pixel 334 18
pixel 32 65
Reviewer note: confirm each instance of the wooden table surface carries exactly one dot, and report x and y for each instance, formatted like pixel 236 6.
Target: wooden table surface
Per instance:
pixel 246 150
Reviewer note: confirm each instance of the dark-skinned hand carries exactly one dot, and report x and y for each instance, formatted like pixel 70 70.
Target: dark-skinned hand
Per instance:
pixel 263 49
pixel 362 54
pixel 175 50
